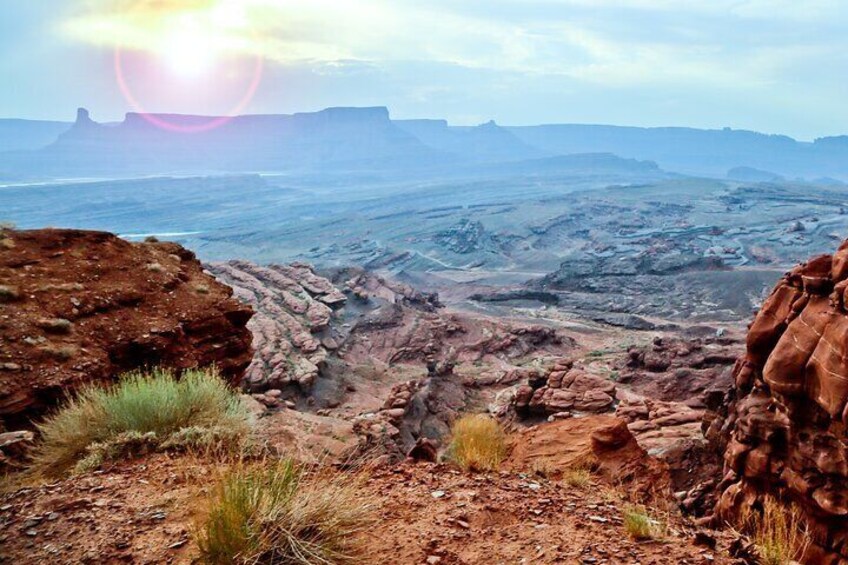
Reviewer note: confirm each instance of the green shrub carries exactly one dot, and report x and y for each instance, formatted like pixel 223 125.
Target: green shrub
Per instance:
pixel 143 411
pixel 284 514
pixel 478 443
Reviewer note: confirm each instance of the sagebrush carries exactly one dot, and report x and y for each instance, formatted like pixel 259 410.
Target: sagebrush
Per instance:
pixel 141 412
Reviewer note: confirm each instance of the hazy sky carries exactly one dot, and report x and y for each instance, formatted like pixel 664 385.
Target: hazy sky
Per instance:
pixel 777 66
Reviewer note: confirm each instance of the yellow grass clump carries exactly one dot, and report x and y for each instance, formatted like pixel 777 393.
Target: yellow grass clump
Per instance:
pixel 478 443
pixel 638 523
pixel 283 513
pixel 779 531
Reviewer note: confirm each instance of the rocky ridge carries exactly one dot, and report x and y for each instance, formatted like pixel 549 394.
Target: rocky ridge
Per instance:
pixel 79 307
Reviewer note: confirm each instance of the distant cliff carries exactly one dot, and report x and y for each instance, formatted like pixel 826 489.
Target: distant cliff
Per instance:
pixel 29 134
pixel 367 139
pixel 696 151
pixel 336 137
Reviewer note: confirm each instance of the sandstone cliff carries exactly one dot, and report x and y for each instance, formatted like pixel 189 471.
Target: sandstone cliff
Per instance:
pixel 782 427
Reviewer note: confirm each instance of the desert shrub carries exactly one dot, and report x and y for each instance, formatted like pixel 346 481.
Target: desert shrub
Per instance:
pixel 478 443
pixel 283 513
pixel 578 476
pixel 143 411
pixel 638 523
pixel 779 531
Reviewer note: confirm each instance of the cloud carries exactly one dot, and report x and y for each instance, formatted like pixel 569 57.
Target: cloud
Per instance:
pixel 743 47
pixel 608 41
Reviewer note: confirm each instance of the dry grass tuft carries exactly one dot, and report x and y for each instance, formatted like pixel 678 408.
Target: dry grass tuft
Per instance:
pixel 478 443
pixel 142 412
pixel 639 525
pixel 779 531
pixel 579 476
pixel 283 513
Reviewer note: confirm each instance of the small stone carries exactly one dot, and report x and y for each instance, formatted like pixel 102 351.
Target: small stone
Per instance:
pixel 433 559
pixel 437 494
pixel 178 544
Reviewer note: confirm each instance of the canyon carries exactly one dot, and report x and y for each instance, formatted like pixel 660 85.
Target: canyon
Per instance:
pixel 363 299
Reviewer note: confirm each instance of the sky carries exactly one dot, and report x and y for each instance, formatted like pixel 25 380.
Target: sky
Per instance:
pixel 776 66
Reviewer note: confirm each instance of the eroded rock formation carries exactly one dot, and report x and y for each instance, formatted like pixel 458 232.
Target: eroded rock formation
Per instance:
pixel 562 389
pixel 783 425
pixel 82 306
pixel 291 332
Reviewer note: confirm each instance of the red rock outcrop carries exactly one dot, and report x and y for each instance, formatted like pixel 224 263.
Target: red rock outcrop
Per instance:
pixel 81 306
pixel 783 428
pixel 601 440
pixel 681 369
pixel 564 388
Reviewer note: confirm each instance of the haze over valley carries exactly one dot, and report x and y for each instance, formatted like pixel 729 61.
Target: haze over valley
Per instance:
pixel 489 216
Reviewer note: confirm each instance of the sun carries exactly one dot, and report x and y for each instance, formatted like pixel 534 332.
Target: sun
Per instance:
pixel 188 50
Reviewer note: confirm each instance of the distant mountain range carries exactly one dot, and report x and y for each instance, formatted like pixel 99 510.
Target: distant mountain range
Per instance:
pixel 363 139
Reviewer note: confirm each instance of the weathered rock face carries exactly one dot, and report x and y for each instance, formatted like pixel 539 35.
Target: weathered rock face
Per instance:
pixel 783 426
pixel 601 438
pixel 291 332
pixel 562 389
pixel 82 306
pixel 680 369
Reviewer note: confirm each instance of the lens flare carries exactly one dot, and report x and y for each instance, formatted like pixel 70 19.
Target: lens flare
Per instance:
pixel 163 123
pixel 192 59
